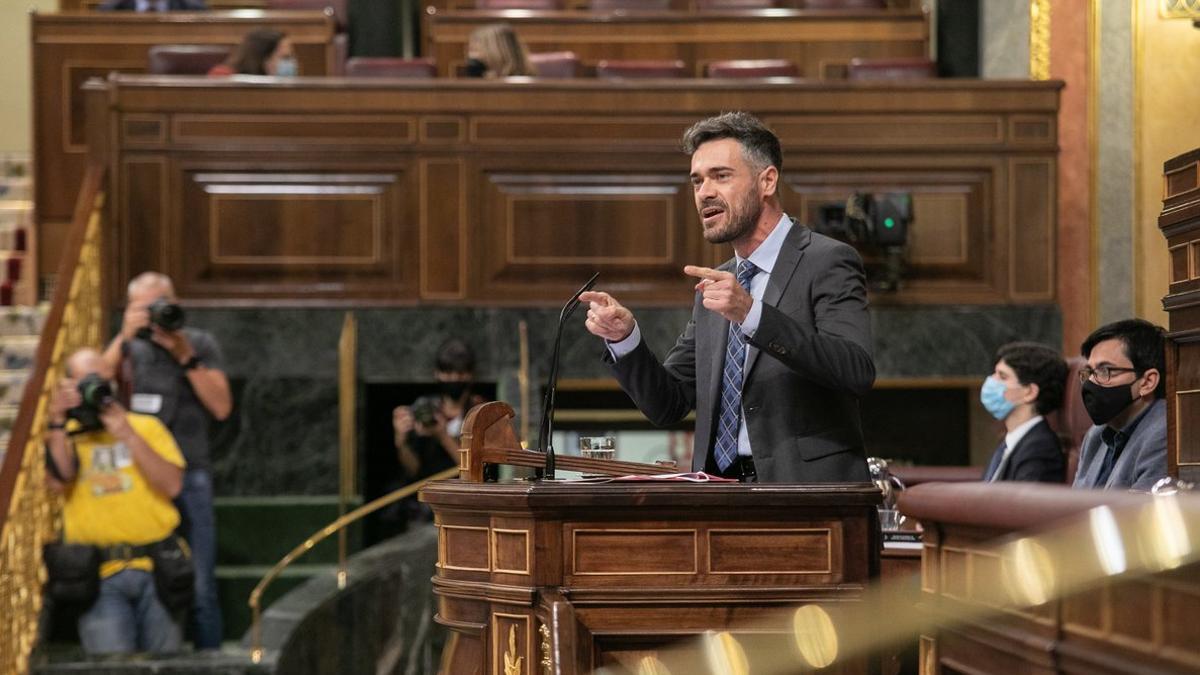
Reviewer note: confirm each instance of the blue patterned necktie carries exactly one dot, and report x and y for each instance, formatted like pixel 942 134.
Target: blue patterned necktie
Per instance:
pixel 725 449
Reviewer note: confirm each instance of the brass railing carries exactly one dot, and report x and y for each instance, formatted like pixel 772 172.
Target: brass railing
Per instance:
pixel 28 510
pixel 339 525
pixel 347 438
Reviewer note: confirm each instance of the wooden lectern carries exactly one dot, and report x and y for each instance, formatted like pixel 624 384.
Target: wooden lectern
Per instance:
pixel 566 577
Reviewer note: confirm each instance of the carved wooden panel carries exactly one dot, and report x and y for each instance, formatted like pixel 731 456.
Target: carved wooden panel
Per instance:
pixel 770 551
pixel 143 213
pixel 553 229
pixel 634 552
pixel 252 233
pixel 512 551
pixel 1187 407
pixel 465 548
pixel 443 192
pixel 466 191
pixel 70 48
pixel 951 248
pixel 1031 229
pixel 512 644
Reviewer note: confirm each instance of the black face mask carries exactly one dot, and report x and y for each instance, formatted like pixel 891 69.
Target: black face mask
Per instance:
pixel 475 68
pixel 1105 403
pixel 454 390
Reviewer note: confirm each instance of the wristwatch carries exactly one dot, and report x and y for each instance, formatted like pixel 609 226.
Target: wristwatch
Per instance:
pixel 192 363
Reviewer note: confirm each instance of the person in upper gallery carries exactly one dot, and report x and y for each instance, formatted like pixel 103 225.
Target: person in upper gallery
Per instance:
pixel 175 373
pixel 778 349
pixel 1027 382
pixel 153 5
pixel 264 51
pixel 495 51
pixel 1123 391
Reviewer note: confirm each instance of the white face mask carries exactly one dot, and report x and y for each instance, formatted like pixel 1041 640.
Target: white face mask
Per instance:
pixel 454 427
pixel 286 67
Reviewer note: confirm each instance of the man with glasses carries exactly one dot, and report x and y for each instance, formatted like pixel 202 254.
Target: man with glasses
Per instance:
pixel 1124 388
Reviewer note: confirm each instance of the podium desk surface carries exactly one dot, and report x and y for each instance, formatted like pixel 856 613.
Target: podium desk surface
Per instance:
pixel 650 493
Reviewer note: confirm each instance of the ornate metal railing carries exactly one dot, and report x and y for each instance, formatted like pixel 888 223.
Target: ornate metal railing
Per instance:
pixel 337 526
pixel 28 509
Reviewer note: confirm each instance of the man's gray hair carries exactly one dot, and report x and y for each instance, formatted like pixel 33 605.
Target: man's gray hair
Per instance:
pixel 152 279
pixel 759 144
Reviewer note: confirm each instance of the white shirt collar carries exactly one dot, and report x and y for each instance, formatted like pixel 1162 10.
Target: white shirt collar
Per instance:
pixel 1012 438
pixel 767 252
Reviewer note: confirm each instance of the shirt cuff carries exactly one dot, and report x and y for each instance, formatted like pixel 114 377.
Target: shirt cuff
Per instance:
pixel 750 325
pixel 623 347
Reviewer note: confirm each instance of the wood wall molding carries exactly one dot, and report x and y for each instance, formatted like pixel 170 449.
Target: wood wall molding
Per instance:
pixel 814 40
pixel 71 47
pixel 1179 223
pixel 512 193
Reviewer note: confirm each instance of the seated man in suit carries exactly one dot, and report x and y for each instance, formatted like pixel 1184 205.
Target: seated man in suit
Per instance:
pixel 1027 382
pixel 775 357
pixel 153 5
pixel 1123 391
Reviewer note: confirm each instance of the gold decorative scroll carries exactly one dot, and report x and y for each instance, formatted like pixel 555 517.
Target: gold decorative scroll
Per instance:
pixel 512 662
pixel 1039 39
pixel 547 661
pixel 1179 9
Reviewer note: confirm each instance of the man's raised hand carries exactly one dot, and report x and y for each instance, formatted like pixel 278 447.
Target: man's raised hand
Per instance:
pixel 606 317
pixel 722 293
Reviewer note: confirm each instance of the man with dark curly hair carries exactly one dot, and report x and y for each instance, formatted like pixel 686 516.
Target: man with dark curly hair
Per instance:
pixel 1027 382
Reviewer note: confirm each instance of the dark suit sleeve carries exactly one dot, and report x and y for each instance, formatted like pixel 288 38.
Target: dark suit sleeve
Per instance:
pixel 1041 460
pixel 112 5
pixel 837 354
pixel 664 392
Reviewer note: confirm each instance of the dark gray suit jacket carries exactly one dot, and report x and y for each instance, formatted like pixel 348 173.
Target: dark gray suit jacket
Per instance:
pixel 1038 457
pixel 1142 463
pixel 800 391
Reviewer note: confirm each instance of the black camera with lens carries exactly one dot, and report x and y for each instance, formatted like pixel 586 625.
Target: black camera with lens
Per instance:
pixel 95 393
pixel 425 409
pixel 164 314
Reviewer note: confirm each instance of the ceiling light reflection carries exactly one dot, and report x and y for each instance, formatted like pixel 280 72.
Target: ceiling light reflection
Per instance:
pixel 652 666
pixel 1106 537
pixel 816 637
pixel 725 655
pixel 1028 570
pixel 1166 531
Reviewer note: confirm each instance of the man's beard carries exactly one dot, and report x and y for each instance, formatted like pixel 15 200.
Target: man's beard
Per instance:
pixel 738 223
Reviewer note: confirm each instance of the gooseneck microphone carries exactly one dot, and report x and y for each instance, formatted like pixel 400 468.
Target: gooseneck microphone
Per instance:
pixel 546 428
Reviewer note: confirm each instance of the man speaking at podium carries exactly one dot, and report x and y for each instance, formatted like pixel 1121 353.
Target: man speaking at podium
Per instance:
pixel 778 350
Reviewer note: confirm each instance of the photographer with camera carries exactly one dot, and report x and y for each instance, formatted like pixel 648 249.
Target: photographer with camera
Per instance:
pixel 120 471
pixel 174 372
pixel 426 432
pixel 423 445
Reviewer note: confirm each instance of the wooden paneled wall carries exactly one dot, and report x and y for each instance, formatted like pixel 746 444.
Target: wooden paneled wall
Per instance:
pixel 323 190
pixel 821 44
pixel 70 48
pixel 1180 225
pixel 79 5
pixel 678 5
